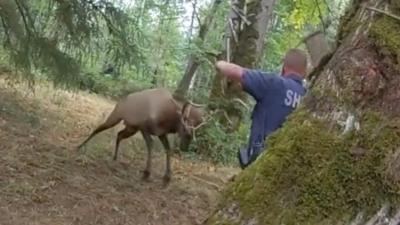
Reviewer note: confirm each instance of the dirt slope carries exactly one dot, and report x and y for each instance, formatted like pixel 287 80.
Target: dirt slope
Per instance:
pixel 44 181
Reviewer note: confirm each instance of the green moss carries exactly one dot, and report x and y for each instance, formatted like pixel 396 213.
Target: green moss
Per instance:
pixel 218 220
pixel 386 32
pixel 309 173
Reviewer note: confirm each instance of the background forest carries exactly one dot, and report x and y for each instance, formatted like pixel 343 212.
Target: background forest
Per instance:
pixel 113 48
pixel 65 63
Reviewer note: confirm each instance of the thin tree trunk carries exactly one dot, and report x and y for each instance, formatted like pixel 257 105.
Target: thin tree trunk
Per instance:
pixel 159 61
pixel 247 53
pixel 192 21
pixel 193 63
pixel 317 47
pixel 187 77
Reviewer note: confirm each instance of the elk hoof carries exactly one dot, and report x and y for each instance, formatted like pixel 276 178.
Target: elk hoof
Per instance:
pixel 146 175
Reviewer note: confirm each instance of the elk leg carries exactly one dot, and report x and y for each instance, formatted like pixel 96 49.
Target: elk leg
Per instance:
pixel 149 145
pixel 99 129
pixel 123 134
pixel 167 176
pixel 110 122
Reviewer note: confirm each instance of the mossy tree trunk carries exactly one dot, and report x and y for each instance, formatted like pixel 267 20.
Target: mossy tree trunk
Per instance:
pixel 246 52
pixel 336 160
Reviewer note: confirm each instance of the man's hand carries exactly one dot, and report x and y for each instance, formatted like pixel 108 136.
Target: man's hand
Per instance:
pixel 232 71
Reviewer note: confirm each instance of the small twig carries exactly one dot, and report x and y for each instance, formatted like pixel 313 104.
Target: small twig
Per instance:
pixel 208 119
pixel 241 102
pixel 241 15
pixel 327 6
pixel 227 118
pixel 383 12
pixel 307 37
pixel 198 18
pixel 235 36
pixel 195 104
pixel 320 15
pixel 228 49
pixel 207 182
pixel 109 23
pixel 222 86
pixel 200 125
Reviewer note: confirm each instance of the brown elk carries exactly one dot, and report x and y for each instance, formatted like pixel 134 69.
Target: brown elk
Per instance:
pixel 152 112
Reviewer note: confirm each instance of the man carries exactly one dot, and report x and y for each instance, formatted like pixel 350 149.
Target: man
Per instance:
pixel 276 97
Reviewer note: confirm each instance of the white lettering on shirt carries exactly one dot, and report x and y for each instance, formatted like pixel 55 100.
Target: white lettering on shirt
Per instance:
pixel 292 99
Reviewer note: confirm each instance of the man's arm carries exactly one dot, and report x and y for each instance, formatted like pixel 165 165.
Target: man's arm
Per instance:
pixel 252 81
pixel 232 71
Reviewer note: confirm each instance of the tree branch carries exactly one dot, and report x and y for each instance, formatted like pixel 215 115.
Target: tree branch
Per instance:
pixel 383 12
pixel 307 37
pixel 17 3
pixel 235 36
pixel 243 17
pixel 110 25
pixel 198 19
pixel 320 15
pixel 6 31
pixel 28 14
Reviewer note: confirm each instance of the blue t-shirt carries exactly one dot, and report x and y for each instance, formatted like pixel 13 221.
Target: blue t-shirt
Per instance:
pixel 276 97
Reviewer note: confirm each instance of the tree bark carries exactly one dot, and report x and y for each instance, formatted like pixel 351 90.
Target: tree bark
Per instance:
pixel 317 47
pixel 194 4
pixel 337 156
pixel 246 52
pixel 193 61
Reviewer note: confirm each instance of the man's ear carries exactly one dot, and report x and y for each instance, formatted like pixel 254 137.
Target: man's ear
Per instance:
pixel 283 70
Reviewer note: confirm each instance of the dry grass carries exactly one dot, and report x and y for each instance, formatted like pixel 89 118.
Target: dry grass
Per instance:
pixel 43 180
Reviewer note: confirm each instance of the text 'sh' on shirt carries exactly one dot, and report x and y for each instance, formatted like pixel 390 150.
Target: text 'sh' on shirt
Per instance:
pixel 276 96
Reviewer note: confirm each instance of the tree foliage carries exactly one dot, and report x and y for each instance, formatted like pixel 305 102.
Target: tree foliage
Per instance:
pixel 295 20
pixel 56 36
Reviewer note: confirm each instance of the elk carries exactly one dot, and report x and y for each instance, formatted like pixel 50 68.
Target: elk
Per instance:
pixel 153 112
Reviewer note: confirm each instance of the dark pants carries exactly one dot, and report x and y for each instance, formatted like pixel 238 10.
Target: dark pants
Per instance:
pixel 248 155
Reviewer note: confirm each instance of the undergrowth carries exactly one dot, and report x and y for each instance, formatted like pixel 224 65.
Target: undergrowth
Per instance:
pixel 214 144
pixel 109 86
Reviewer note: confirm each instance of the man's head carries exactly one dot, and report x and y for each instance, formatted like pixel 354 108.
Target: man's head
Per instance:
pixel 295 61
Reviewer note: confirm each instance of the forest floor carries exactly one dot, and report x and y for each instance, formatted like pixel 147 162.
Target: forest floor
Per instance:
pixel 43 180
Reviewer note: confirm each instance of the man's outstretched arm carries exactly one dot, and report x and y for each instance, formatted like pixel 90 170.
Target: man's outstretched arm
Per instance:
pixel 231 71
pixel 251 81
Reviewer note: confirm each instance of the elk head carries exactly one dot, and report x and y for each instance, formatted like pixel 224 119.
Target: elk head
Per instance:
pixel 192 117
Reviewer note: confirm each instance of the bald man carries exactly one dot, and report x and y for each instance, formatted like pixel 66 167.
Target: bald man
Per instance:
pixel 276 96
